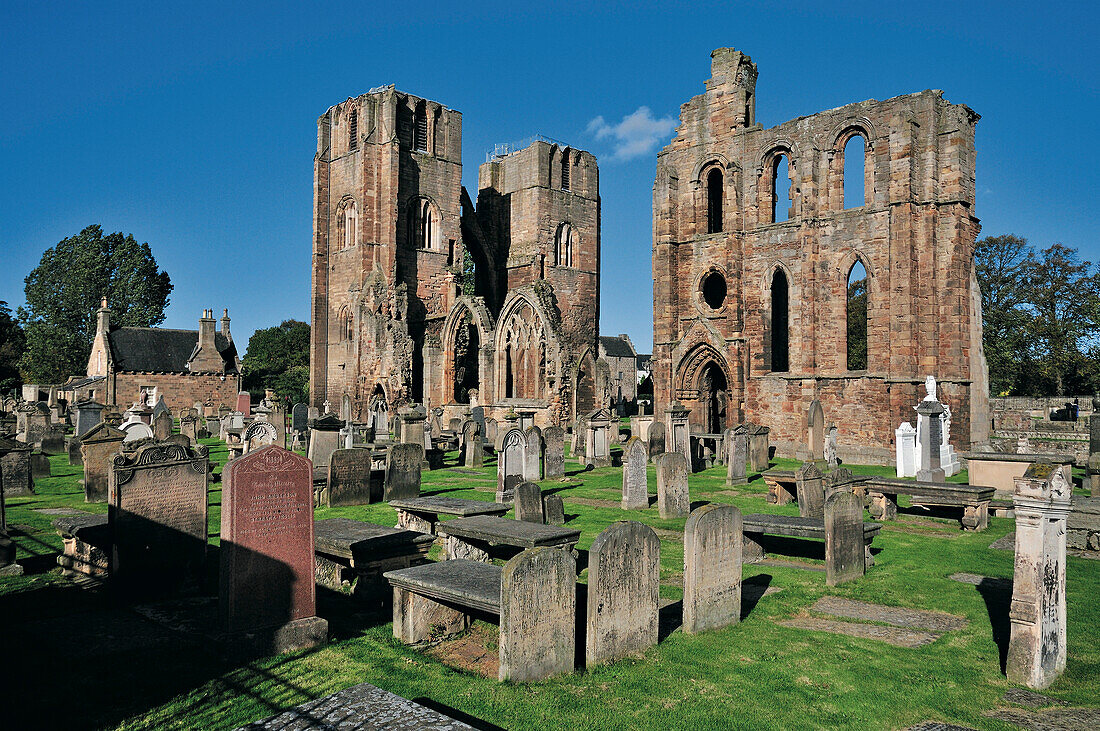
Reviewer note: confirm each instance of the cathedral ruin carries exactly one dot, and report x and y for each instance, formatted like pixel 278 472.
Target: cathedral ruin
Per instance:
pixel 421 297
pixel 774 295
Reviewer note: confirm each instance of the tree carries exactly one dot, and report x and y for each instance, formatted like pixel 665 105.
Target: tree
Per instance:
pixel 12 344
pixel 278 358
pixel 1002 264
pixel 64 291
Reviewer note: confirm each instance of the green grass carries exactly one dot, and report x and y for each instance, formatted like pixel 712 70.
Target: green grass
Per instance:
pixel 756 674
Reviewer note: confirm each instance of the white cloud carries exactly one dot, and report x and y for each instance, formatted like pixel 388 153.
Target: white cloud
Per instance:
pixel 636 135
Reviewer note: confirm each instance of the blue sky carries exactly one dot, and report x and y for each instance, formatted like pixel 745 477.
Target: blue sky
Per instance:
pixel 193 125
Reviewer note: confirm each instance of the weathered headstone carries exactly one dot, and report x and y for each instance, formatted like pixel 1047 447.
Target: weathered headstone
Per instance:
pixel 349 478
pixel 324 439
pixel 623 586
pixel 635 476
pixel 656 440
pixel 1037 642
pixel 532 458
pixel 713 538
pixel 597 436
pixel 189 427
pixel 88 414
pixel 98 449
pixel 40 467
pixel 528 503
pixel 15 469
pixel 929 435
pixel 905 439
pixel 673 500
pixel 477 413
pixel 159 408
pixel 538 615
pixel 267 576
pixel 162 426
pixel 810 487
pixel 510 464
pixel 157 517
pixel 260 434
pixel 844 545
pixel 553 459
pixel 554 509
pixel 832 458
pixel 491 431
pixel 76 457
pixel 244 403
pixel 678 436
pixel 403 471
pixel 737 461
pixel 759 447
pixel 53 440
pixel 412 425
pixel 136 430
pixel 815 433
pixel 474 454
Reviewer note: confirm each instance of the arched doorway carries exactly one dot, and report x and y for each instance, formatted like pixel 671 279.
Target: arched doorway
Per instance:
pixel 466 374
pixel 714 395
pixel 584 393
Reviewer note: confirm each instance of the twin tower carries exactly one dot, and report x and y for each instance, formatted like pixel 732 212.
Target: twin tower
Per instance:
pixel 419 297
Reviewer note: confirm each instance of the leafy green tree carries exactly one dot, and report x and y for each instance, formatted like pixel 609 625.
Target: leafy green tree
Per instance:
pixel 64 291
pixel 12 344
pixel 1002 264
pixel 278 358
pixel 857 324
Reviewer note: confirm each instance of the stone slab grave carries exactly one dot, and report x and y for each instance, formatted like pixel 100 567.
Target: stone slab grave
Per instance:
pixel 422 513
pixel 713 538
pixel 896 626
pixel 349 479
pixel 528 503
pixel 267 592
pixel 403 464
pixel 352 554
pixel 473 537
pixel 757 525
pixel 534 595
pixel 361 707
pixel 158 517
pixel 673 499
pixel 85 544
pixel 623 592
pixel 635 475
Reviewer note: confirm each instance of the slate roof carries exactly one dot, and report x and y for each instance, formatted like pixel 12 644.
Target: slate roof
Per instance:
pixel 157 350
pixel 616 347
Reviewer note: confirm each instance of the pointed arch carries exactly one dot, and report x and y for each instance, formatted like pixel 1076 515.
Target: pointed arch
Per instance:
pixel 467 329
pixel 424 227
pixel 564 245
pixel 522 332
pixel 778 325
pixel 705 380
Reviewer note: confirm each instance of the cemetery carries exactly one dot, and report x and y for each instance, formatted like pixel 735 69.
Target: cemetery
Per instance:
pixel 448 502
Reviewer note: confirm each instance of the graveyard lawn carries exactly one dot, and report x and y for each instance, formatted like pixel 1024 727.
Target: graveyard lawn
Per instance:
pixel 80 661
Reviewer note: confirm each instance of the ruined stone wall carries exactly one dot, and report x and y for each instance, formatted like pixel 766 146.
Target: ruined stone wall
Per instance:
pixel 914 235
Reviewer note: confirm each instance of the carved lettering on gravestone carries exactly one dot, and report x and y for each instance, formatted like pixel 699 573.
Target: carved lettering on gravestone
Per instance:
pixel 810 487
pixel 403 471
pixel 554 509
pixel 635 477
pixel 553 460
pixel 713 539
pixel 673 500
pixel 538 614
pixel 528 503
pixel 623 584
pixel 844 545
pixel 157 515
pixel 510 460
pixel 267 576
pixel 737 462
pixel 349 478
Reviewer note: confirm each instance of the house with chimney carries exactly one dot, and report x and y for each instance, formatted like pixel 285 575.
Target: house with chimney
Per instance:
pixel 144 364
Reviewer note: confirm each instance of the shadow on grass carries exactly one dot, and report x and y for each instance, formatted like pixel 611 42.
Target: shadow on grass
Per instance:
pixel 457 714
pixel 997 594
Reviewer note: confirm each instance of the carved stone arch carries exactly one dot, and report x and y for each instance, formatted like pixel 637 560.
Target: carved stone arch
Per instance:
pixel 847 258
pixel 769 273
pixel 466 338
pixel 843 131
pixel 845 262
pixel 416 237
pixel 838 139
pixel 778 146
pixel 767 194
pixel 711 159
pixel 524 339
pixel 704 382
pixel 583 376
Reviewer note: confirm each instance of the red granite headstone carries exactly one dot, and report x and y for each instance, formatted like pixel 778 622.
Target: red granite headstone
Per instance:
pixel 267 540
pixel 244 403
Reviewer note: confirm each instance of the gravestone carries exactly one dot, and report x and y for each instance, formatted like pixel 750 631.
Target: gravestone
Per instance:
pixel 244 403
pixel 905 439
pixel 40 467
pixel 324 439
pixel 299 418
pixel 713 537
pixel 76 458
pixel 267 576
pixel 623 586
pixel 98 449
pixel 189 427
pixel 673 500
pixel 491 431
pixel 553 458
pixel 474 449
pixel 435 422
pixel 759 446
pixel 737 462
pixel 455 425
pixel 656 440
pixel 554 509
pixel 412 425
pixel 136 430
pixel 15 469
pixel 635 477
pixel 839 479
pixel 1037 642
pixel 349 478
pixel 576 445
pixel 88 414
pixel 810 489
pixel 403 471
pixel 157 511
pixel 477 413
pixel 815 433
pixel 528 503
pixel 929 438
pixel 678 434
pixel 53 440
pixel 538 615
pixel 832 459
pixel 260 434
pixel 532 459
pixel 510 464
pixel 159 408
pixel 597 438
pixel 844 545
pixel 162 426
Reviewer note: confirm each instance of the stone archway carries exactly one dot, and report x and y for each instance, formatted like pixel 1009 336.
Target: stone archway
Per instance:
pixel 705 385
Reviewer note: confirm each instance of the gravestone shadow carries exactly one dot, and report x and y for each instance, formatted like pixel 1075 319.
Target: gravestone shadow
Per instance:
pixel 752 591
pixel 997 594
pixel 457 714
